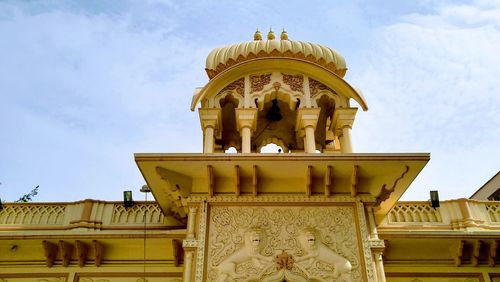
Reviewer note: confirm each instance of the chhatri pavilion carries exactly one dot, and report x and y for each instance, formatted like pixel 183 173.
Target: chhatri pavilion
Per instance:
pixel 314 211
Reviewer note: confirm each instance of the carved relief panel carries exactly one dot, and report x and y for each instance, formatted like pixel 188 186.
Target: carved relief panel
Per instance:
pixel 273 243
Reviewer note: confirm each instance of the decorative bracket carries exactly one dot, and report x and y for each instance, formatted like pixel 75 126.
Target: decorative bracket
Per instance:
pixel 81 252
pixel 98 250
pixel 66 250
pixel 354 181
pixel 328 181
pixel 50 250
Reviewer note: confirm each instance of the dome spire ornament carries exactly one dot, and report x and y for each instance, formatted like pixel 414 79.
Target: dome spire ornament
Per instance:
pixel 284 35
pixel 257 35
pixel 270 35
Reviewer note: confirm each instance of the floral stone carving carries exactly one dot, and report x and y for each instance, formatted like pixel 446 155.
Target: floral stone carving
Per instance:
pixel 275 243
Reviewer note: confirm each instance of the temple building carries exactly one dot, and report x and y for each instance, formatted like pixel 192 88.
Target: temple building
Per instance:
pixel 315 211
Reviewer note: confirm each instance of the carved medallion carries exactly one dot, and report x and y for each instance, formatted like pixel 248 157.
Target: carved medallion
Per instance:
pixel 258 82
pixel 296 82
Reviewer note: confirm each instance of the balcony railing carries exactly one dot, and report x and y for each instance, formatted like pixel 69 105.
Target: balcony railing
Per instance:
pixel 83 214
pixel 453 214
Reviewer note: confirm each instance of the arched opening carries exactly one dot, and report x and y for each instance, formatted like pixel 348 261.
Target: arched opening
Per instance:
pixel 322 135
pixel 282 128
pixel 230 136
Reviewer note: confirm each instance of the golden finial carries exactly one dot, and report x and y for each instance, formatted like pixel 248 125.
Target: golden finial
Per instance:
pixel 270 35
pixel 284 35
pixel 257 35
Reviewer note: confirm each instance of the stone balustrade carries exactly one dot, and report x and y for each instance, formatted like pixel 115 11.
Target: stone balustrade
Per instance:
pixel 452 215
pixel 83 214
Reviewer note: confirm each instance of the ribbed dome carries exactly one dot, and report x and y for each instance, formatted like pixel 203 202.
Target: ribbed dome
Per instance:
pixel 225 57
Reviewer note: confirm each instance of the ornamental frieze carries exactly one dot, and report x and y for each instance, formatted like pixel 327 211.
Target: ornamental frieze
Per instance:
pixel 257 82
pixel 275 243
pixel 296 82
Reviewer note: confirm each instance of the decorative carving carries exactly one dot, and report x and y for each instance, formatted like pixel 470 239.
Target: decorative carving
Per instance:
pixel 279 199
pixel 386 192
pixel 332 66
pixel 316 251
pixel 315 87
pixel 494 211
pixel 370 268
pixel 135 214
pixel 237 86
pixel 257 82
pixel 33 214
pixel 236 252
pixel 200 254
pixel 296 82
pixel 190 243
pixel 414 213
pixel 248 253
pixel 284 261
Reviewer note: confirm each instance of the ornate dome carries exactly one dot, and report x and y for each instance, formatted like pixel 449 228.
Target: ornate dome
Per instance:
pixel 223 58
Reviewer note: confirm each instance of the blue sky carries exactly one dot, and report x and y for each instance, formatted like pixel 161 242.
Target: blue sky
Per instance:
pixel 85 84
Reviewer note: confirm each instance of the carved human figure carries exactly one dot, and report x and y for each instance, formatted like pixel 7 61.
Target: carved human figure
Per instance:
pixel 315 250
pixel 249 251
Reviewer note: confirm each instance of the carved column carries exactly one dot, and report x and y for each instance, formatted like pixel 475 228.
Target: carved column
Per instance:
pixel 343 118
pixel 307 118
pixel 246 122
pixel 211 124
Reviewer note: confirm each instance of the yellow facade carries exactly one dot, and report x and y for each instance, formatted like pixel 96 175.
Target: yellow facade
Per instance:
pixel 317 211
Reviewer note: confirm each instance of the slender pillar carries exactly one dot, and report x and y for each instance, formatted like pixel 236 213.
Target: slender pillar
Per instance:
pixel 307 118
pixel 246 141
pixel 188 264
pixel 210 120
pixel 208 146
pixel 310 145
pixel 246 122
pixel 379 265
pixel 343 118
pixel 346 133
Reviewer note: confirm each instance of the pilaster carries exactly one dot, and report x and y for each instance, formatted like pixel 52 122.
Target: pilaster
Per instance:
pixel 246 123
pixel 343 119
pixel 307 119
pixel 211 125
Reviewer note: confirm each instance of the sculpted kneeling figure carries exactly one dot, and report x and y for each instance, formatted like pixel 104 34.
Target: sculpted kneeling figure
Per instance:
pixel 316 250
pixel 249 251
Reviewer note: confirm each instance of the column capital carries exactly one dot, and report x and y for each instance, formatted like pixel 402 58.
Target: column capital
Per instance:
pixel 343 117
pixel 211 117
pixel 307 117
pixel 246 117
